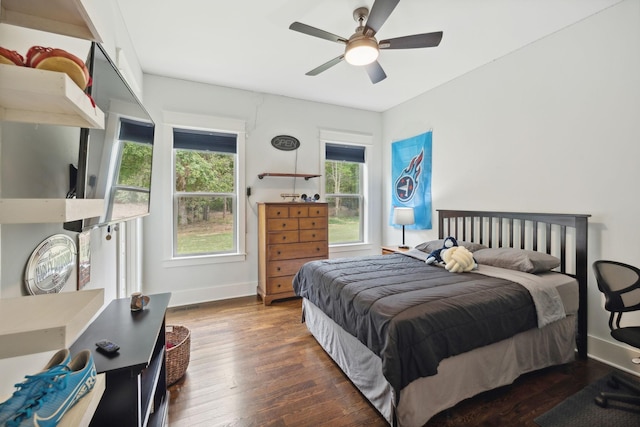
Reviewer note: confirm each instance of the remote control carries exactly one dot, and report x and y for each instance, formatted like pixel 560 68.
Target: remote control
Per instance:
pixel 107 346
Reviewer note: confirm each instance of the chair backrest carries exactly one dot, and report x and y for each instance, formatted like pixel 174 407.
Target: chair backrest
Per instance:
pixel 620 283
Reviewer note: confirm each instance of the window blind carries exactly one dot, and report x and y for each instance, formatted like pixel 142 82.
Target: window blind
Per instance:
pixel 346 153
pixel 135 131
pixel 191 139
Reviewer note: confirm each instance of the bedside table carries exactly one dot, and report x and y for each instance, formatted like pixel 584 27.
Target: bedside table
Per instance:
pixel 386 250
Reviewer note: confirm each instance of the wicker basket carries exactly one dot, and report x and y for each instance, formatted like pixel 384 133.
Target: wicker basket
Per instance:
pixel 178 355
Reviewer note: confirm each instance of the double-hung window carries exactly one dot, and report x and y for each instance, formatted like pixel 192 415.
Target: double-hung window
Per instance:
pixel 205 196
pixel 344 187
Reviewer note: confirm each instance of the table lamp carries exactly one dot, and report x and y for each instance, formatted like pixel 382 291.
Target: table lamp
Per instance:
pixel 403 216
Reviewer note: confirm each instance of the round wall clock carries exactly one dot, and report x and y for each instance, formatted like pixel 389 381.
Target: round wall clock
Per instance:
pixel 50 265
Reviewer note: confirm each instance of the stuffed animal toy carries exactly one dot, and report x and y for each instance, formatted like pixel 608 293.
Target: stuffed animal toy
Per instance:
pixel 458 259
pixel 435 257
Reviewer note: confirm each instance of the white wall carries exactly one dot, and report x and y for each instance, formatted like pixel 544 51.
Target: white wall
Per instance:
pixel 551 127
pixel 265 116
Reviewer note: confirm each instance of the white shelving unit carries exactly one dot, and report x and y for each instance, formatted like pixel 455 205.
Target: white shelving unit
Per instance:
pixel 29 95
pixel 39 96
pixel 54 321
pixel 66 17
pixel 40 211
pixel 51 321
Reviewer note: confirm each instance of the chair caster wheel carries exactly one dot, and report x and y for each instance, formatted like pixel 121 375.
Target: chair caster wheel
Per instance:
pixel 601 401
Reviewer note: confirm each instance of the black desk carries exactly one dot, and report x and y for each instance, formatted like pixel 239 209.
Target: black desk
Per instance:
pixel 135 393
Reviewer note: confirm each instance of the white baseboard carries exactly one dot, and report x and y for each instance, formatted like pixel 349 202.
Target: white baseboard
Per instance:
pixel 214 293
pixel 614 354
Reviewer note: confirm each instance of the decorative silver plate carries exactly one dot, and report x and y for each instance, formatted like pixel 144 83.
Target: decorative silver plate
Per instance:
pixel 50 265
pixel 285 142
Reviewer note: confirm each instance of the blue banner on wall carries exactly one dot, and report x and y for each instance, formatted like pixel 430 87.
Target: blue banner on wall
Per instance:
pixel 411 178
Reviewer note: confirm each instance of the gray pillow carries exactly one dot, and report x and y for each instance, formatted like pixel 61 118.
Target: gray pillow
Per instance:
pixel 432 245
pixel 517 259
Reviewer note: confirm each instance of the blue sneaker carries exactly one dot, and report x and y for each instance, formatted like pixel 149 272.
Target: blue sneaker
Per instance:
pixel 64 387
pixel 32 386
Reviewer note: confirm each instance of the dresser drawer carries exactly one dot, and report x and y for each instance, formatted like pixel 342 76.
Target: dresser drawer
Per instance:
pixel 297 250
pixel 313 235
pixel 282 224
pixel 308 223
pixel 317 210
pixel 276 285
pixel 300 211
pixel 277 211
pixel 282 237
pixel 287 267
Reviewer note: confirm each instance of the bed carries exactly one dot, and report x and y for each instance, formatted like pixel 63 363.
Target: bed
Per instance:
pixel 387 320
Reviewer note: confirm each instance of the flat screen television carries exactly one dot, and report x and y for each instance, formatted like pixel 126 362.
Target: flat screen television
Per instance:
pixel 114 163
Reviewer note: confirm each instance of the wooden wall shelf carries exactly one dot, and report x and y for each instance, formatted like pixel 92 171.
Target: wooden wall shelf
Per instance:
pixel 30 95
pixel 43 211
pixel 289 175
pixel 66 17
pixel 52 322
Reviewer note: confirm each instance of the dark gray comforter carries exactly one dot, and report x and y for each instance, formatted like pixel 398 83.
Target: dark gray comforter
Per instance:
pixel 414 315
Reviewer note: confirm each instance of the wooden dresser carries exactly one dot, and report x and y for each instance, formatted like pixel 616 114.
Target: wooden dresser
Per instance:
pixel 289 234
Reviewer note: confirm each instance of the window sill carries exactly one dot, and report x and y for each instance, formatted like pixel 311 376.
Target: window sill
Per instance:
pixel 350 247
pixel 204 260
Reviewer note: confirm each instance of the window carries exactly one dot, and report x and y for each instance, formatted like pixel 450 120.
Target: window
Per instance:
pixel 205 200
pixel 344 178
pixel 131 187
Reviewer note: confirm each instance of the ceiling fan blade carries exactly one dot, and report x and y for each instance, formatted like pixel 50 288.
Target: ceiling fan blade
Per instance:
pixel 412 42
pixel 379 14
pixel 316 32
pixel 375 71
pixel 325 66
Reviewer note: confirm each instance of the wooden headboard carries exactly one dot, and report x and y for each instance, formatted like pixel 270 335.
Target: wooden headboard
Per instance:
pixel 560 235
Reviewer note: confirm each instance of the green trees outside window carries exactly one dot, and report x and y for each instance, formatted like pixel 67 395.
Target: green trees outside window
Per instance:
pixel 204 202
pixel 133 182
pixel 344 197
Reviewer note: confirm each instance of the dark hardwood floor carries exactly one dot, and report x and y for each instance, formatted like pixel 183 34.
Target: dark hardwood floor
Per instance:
pixel 259 366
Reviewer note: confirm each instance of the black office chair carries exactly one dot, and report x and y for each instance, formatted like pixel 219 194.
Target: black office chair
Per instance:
pixel 620 283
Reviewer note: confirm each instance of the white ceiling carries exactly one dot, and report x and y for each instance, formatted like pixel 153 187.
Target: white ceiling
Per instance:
pixel 247 44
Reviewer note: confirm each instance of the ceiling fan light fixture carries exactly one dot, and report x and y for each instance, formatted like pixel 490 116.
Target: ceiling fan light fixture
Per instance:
pixel 361 51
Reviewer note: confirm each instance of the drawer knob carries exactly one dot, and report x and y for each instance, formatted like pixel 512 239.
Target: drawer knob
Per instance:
pixel 278 284
pixel 299 212
pixel 313 223
pixel 284 237
pixel 279 252
pixel 278 269
pixel 313 235
pixel 284 225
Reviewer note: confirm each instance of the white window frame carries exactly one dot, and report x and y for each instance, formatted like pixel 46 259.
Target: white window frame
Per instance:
pixel 217 124
pixel 356 139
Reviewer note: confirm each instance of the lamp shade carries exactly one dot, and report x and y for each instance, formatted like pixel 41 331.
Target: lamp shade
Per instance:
pixel 361 51
pixel 403 216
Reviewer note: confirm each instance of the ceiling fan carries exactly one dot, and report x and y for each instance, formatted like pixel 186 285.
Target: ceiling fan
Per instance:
pixel 362 48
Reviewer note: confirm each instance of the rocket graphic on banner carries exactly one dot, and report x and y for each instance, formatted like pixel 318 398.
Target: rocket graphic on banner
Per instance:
pixel 411 178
